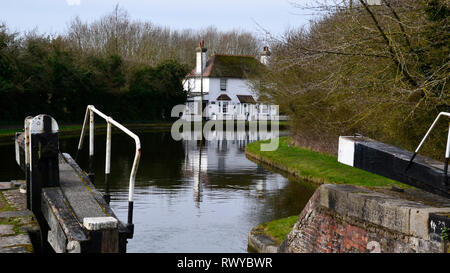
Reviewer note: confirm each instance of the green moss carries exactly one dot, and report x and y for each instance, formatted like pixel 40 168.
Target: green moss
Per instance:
pixel 317 167
pixel 4 205
pixel 445 234
pixel 28 248
pixel 15 222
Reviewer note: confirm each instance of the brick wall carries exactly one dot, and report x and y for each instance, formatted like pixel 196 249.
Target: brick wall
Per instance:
pixel 322 229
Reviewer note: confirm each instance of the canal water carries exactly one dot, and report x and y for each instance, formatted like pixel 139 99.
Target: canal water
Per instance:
pixel 190 196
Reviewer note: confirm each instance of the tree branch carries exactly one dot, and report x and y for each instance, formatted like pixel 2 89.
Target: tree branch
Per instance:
pixel 400 24
pixel 388 43
pixel 344 53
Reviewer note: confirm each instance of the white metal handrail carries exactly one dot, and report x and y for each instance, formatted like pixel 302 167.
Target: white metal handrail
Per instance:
pixel 447 150
pixel 90 110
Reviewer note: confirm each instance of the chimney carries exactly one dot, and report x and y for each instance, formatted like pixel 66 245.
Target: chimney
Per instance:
pixel 265 55
pixel 201 57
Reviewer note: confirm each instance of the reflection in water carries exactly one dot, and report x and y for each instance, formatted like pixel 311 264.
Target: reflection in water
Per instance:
pixel 230 143
pixel 190 196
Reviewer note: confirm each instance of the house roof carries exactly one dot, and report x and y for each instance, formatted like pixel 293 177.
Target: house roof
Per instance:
pixel 223 97
pixel 229 66
pixel 245 99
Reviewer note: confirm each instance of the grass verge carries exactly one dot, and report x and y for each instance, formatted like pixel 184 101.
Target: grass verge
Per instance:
pixel 278 229
pixel 316 167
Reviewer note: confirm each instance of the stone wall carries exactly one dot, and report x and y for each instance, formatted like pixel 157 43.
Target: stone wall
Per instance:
pixel 19 231
pixel 345 218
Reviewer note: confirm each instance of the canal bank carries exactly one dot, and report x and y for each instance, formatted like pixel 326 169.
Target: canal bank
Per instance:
pixel 267 237
pixel 315 167
pixel 381 192
pixel 7 133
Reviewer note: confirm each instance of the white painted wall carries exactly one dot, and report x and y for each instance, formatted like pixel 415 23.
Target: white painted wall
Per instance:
pixel 194 84
pixel 234 87
pixel 200 56
pixel 235 109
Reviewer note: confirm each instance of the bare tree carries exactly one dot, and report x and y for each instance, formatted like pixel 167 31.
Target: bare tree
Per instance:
pixel 372 69
pixel 145 42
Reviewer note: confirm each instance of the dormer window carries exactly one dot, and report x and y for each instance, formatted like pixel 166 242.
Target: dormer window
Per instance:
pixel 223 84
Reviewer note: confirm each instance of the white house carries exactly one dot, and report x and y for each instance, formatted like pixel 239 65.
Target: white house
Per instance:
pixel 224 82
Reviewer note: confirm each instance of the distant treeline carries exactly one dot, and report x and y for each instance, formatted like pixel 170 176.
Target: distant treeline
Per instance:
pixel 129 69
pixel 378 70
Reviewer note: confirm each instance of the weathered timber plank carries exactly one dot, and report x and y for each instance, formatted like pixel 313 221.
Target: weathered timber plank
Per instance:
pixel 62 222
pixel 71 166
pixel 94 192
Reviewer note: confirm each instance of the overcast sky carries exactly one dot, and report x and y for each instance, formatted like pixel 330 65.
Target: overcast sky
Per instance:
pixel 52 16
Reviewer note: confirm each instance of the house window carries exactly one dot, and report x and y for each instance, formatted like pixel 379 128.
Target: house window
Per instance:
pixel 223 84
pixel 224 107
pixel 190 107
pixel 264 109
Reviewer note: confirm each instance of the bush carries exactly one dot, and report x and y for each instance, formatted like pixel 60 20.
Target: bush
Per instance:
pixel 42 75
